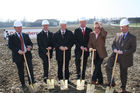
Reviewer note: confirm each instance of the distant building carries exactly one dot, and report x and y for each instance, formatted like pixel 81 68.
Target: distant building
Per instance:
pixel 53 22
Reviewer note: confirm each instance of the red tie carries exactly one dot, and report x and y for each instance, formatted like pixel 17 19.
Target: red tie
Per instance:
pixel 22 44
pixel 83 32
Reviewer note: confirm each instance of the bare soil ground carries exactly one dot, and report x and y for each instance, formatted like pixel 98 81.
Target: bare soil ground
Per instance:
pixel 9 82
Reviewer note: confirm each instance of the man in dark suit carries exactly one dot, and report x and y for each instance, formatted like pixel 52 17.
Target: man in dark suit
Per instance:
pixel 20 44
pixel 81 35
pixel 45 43
pixel 125 45
pixel 63 41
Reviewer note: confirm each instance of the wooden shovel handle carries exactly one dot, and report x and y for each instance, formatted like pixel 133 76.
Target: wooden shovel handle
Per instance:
pixel 64 65
pixel 114 67
pixel 49 59
pixel 92 62
pixel 82 64
pixel 28 71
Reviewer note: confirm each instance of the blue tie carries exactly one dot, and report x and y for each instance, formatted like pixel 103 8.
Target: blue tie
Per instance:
pixel 123 36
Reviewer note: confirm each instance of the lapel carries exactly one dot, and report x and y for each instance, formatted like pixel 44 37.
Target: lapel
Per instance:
pixel 120 38
pixel 60 35
pixel 81 33
pixel 123 42
pixel 65 35
pixel 127 37
pixel 16 37
pixel 44 36
pixel 98 36
pixel 48 34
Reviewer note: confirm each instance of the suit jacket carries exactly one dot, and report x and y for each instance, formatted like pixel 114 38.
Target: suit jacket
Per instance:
pixel 67 41
pixel 15 45
pixel 80 41
pixel 128 46
pixel 44 42
pixel 99 43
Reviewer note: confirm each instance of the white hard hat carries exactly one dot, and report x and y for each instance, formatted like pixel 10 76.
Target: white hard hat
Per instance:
pixel 82 19
pixel 124 22
pixel 17 24
pixel 45 22
pixel 63 22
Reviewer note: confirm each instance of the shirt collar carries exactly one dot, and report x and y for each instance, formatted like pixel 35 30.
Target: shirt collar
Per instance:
pixel 124 34
pixel 45 31
pixel 19 34
pixel 82 28
pixel 62 31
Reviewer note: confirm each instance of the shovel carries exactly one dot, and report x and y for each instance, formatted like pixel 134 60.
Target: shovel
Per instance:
pixel 91 87
pixel 63 82
pixel 80 82
pixel 110 89
pixel 50 82
pixel 32 86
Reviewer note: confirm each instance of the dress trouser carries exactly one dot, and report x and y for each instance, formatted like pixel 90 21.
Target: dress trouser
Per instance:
pixel 97 74
pixel 78 66
pixel 123 71
pixel 60 69
pixel 45 65
pixel 20 67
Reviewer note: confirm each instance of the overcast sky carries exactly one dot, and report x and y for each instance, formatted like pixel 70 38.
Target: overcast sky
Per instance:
pixel 67 9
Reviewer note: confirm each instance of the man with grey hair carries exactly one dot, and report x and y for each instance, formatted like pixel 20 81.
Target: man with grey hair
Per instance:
pixel 124 45
pixel 81 35
pixel 63 41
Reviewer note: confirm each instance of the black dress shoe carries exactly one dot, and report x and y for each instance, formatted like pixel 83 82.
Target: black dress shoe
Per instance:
pixel 86 83
pixel 123 91
pixel 99 83
pixel 45 80
pixel 69 82
pixel 24 87
pixel 108 84
pixel 93 82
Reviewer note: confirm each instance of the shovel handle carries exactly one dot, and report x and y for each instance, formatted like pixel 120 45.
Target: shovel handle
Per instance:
pixel 64 65
pixel 49 58
pixel 28 71
pixel 82 64
pixel 92 63
pixel 114 67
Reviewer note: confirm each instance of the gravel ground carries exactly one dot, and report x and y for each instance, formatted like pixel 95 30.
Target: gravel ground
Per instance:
pixel 9 82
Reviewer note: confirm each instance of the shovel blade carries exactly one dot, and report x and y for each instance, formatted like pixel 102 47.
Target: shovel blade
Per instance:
pixel 90 88
pixel 80 84
pixel 109 90
pixel 50 83
pixel 33 88
pixel 63 84
pixel 30 87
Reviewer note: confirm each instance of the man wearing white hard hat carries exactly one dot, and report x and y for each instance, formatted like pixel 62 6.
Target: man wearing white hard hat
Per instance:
pixel 125 45
pixel 45 44
pixel 63 41
pixel 81 35
pixel 20 44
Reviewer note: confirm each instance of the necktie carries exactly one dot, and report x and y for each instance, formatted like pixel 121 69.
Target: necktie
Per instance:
pixel 47 34
pixel 83 32
pixel 63 34
pixel 21 41
pixel 123 36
